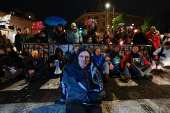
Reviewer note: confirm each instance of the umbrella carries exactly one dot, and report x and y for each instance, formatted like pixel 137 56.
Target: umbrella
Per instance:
pixel 54 21
pixel 37 26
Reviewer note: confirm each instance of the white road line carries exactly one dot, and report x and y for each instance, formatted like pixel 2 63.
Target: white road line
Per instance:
pixel 130 82
pixel 51 84
pixel 17 86
pixel 160 81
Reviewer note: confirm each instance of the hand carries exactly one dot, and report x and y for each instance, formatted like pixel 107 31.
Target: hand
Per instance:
pixel 52 65
pixel 128 65
pixel 153 66
pixel 54 31
pixel 111 66
pixel 107 59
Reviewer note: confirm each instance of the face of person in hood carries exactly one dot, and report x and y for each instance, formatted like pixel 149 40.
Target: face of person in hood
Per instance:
pixel 84 59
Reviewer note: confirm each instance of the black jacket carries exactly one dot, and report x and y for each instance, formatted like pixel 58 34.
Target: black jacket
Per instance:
pixel 30 64
pixel 140 38
pixel 59 37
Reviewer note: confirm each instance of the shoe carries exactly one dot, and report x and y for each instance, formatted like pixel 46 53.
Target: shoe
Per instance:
pixel 28 78
pixel 148 77
pixel 105 77
pixel 60 101
pixel 125 78
pixel 4 79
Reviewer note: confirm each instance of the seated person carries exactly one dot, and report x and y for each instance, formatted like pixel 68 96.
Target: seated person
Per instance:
pixel 51 71
pixel 7 71
pixel 84 84
pixel 34 67
pixel 164 56
pixel 51 62
pixel 136 64
pixel 72 56
pixel 102 61
pixel 115 61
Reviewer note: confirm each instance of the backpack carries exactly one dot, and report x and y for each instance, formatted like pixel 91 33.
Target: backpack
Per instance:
pixel 160 53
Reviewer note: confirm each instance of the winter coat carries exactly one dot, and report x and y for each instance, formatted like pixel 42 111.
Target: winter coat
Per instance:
pixel 85 38
pixel 59 37
pixel 113 55
pixel 74 37
pixel 80 81
pixel 139 38
pixel 100 60
pixel 18 44
pixel 30 64
pixel 129 59
pixel 155 39
pixel 28 38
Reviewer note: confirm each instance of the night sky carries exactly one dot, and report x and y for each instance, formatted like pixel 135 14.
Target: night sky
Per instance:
pixel 70 10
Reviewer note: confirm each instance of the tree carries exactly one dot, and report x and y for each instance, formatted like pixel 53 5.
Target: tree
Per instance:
pixel 151 20
pixel 122 18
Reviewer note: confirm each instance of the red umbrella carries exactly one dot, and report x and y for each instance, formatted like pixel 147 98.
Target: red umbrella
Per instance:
pixel 37 26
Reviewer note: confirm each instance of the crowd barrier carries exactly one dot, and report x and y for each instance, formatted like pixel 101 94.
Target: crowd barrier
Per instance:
pixel 47 49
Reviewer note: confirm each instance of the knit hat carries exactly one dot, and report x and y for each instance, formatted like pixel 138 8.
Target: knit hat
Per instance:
pixel 2 51
pixel 19 29
pixel 57 50
pixel 33 53
pixel 73 24
pixel 81 50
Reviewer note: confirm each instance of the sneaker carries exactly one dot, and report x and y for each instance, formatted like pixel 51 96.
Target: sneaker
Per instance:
pixel 105 77
pixel 148 77
pixel 125 78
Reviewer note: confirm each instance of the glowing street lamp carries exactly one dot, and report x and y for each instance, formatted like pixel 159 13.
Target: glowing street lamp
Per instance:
pixel 108 6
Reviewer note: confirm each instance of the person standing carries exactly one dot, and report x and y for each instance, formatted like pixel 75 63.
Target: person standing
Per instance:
pixel 27 37
pixel 18 44
pixel 154 36
pixel 59 35
pixel 139 38
pixel 73 35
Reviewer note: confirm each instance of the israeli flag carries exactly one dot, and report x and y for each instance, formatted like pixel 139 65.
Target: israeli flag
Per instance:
pixel 5 20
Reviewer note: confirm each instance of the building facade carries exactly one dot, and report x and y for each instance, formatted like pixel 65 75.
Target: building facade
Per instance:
pixel 18 20
pixel 100 15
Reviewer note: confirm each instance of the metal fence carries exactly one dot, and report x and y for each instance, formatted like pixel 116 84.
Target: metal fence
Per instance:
pixel 47 49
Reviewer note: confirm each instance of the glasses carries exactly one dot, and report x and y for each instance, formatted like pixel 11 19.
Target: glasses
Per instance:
pixel 86 57
pixel 73 26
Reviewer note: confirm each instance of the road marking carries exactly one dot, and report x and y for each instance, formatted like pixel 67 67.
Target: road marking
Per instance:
pixel 160 81
pixel 52 84
pixel 17 86
pixel 130 82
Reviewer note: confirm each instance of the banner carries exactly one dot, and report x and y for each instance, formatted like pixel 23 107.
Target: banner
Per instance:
pixel 90 22
pixel 37 26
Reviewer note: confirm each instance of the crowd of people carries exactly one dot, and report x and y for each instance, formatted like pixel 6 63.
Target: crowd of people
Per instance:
pixel 85 71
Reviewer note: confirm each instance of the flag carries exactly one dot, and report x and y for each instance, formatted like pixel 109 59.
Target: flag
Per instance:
pixel 5 20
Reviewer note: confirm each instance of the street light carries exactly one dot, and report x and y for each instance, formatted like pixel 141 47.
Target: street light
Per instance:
pixel 107 6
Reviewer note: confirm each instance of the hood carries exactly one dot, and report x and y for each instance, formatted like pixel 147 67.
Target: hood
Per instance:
pixel 57 50
pixel 81 50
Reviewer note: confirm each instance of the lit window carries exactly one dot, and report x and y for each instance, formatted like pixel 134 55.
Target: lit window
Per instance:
pixel 29 16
